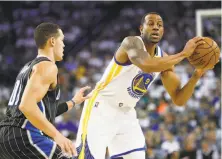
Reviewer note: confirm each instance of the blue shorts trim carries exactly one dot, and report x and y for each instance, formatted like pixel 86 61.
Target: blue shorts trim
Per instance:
pixel 43 144
pixel 127 152
pixel 27 124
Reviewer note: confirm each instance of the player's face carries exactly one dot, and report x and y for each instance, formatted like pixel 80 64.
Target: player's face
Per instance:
pixel 59 46
pixel 152 29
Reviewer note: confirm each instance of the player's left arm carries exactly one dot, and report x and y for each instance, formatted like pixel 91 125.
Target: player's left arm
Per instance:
pixel 77 99
pixel 172 84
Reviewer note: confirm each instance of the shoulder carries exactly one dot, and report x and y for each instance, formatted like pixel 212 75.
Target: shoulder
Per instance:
pixel 132 41
pixel 46 69
pixel 46 66
pixel 130 38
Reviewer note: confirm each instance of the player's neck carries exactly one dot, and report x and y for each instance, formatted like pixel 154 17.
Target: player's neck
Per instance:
pixel 150 47
pixel 46 53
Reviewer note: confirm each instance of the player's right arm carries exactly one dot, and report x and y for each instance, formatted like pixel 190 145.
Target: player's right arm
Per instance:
pixel 132 47
pixel 43 76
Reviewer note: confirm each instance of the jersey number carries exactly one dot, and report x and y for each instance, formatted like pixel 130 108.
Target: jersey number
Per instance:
pixel 147 81
pixel 14 99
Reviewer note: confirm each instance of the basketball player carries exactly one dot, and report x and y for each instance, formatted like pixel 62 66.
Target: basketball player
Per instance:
pixel 27 132
pixel 109 118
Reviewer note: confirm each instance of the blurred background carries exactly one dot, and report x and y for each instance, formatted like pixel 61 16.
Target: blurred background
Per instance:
pixel 93 31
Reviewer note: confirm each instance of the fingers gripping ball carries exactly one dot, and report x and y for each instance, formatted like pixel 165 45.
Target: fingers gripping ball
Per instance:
pixel 205 56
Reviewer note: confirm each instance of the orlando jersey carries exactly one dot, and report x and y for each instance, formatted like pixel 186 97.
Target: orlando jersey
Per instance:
pixel 48 105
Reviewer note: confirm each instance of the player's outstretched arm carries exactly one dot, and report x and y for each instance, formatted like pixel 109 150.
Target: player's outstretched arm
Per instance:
pixel 43 76
pixel 172 84
pixel 133 47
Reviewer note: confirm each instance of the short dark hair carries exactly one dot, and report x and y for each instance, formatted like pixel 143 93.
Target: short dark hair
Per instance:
pixel 43 32
pixel 144 16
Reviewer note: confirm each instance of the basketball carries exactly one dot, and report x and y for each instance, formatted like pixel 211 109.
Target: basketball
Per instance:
pixel 205 56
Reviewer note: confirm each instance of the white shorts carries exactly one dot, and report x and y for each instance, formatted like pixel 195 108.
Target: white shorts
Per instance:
pixel 112 127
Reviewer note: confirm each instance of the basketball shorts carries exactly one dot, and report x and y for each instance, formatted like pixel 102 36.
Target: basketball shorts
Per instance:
pixel 108 126
pixel 18 143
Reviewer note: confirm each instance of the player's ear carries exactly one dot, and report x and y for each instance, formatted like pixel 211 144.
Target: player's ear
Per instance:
pixel 141 29
pixel 52 41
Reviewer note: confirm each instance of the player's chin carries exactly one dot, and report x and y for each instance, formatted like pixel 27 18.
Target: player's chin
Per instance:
pixel 155 40
pixel 59 58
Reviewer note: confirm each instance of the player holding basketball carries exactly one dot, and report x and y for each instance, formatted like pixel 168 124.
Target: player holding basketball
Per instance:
pixel 109 118
pixel 33 105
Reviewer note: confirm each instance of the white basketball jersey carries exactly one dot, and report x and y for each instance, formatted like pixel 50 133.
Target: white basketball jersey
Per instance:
pixel 123 85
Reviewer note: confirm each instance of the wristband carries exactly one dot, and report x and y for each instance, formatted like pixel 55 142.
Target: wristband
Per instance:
pixel 62 108
pixel 73 102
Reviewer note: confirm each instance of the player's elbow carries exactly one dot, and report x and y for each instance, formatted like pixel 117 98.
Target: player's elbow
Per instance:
pixel 22 108
pixel 179 102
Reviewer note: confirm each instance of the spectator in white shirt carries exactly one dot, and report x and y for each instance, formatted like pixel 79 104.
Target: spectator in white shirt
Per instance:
pixel 170 145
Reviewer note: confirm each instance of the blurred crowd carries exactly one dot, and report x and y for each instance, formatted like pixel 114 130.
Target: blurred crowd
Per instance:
pixel 93 31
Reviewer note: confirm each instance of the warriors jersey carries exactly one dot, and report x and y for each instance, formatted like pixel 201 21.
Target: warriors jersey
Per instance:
pixel 102 125
pixel 125 84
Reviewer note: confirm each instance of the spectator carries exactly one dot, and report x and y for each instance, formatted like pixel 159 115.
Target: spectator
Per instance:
pixel 170 145
pixel 207 152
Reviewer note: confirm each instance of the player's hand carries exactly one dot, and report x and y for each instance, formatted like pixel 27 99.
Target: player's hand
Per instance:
pixel 79 96
pixel 199 72
pixel 66 145
pixel 191 45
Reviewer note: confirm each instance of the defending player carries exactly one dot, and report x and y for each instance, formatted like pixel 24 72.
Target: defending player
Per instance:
pixel 27 132
pixel 109 118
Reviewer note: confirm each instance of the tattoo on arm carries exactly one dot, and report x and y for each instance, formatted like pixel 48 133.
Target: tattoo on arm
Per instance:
pixel 134 49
